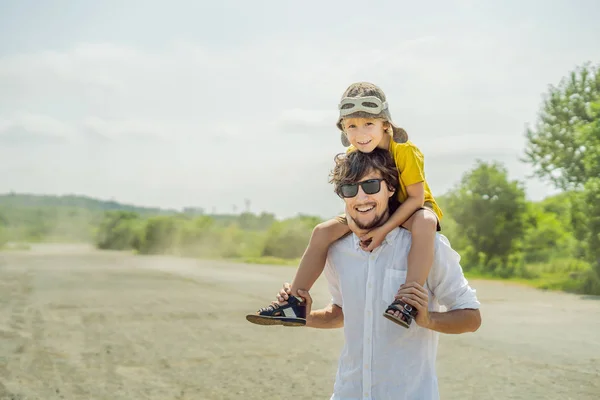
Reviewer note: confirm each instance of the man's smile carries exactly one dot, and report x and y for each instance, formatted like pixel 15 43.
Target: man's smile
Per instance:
pixel 364 208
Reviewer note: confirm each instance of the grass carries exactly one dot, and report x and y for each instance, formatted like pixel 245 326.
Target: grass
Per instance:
pixel 550 281
pixel 565 274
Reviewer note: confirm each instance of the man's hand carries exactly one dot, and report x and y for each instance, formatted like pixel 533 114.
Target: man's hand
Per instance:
pixel 416 295
pixel 285 292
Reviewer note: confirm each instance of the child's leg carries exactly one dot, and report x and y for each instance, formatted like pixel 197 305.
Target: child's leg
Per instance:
pixel 314 258
pixel 423 225
pixel 290 312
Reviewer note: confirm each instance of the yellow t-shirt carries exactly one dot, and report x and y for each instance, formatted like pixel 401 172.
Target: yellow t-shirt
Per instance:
pixel 411 169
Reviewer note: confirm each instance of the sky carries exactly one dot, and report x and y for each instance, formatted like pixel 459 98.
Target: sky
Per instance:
pixel 206 104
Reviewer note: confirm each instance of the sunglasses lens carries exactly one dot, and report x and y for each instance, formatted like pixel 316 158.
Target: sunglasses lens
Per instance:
pixel 371 186
pixel 349 190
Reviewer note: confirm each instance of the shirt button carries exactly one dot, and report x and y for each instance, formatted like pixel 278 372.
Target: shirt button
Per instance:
pixel 366 394
pixel 367 366
pixel 370 286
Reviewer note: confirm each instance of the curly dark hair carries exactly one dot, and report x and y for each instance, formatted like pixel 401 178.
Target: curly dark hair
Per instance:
pixel 351 167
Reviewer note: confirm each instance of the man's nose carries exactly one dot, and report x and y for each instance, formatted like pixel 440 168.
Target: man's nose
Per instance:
pixel 361 195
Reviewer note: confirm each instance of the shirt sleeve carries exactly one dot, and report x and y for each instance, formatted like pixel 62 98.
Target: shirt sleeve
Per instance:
pixel 447 281
pixel 333 283
pixel 410 163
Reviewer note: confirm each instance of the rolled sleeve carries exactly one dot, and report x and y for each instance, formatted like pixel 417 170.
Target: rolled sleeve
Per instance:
pixel 447 281
pixel 333 284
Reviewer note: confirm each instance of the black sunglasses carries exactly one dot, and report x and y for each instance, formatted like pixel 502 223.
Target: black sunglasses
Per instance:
pixel 370 186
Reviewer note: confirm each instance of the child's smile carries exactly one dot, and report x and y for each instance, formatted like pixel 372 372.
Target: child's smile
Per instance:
pixel 364 133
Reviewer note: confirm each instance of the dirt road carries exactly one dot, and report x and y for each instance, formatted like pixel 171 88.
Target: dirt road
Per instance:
pixel 80 324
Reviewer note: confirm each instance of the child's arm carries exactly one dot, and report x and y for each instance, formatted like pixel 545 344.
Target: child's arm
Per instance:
pixel 415 200
pixel 313 261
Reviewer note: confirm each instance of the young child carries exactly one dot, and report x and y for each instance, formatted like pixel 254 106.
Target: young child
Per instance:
pixel 366 123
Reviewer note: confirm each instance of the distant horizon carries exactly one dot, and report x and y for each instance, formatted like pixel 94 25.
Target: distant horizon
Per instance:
pixel 206 210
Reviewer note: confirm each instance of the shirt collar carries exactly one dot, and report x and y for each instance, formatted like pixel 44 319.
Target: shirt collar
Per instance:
pixel 389 238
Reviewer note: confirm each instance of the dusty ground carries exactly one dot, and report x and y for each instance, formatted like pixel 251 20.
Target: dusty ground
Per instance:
pixel 79 324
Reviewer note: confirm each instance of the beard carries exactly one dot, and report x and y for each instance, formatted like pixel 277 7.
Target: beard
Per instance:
pixel 377 221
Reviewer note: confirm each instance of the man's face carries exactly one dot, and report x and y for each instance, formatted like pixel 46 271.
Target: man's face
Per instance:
pixel 369 210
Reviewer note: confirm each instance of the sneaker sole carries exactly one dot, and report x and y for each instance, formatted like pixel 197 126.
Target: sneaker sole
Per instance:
pixel 284 321
pixel 396 320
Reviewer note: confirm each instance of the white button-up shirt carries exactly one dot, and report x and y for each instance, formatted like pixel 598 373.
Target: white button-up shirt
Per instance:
pixel 381 360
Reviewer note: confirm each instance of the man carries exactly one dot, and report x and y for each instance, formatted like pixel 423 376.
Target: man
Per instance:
pixel 380 361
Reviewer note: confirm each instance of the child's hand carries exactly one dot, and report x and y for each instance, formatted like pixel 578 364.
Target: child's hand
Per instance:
pixel 373 239
pixel 284 293
pixel 354 228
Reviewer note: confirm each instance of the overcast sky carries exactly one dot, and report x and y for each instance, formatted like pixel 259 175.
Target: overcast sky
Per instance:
pixel 206 103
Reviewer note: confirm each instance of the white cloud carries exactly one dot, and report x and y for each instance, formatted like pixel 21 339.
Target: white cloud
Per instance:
pixel 306 122
pixel 25 128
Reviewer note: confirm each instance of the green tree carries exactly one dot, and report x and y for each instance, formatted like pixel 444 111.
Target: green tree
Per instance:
pixel 592 192
pixel 558 148
pixel 489 211
pixel 545 236
pixel 590 134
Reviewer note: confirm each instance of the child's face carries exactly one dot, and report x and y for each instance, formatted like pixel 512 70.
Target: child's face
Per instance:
pixel 364 133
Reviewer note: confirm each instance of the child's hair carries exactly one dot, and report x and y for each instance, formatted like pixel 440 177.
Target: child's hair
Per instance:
pixel 366 89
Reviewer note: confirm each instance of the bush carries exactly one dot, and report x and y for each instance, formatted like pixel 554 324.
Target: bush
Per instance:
pixel 3 237
pixel 590 283
pixel 289 238
pixel 159 235
pixel 118 231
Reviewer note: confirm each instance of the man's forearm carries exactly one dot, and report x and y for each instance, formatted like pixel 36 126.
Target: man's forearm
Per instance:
pixel 455 321
pixel 330 317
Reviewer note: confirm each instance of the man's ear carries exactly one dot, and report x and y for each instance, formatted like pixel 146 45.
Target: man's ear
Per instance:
pixel 391 189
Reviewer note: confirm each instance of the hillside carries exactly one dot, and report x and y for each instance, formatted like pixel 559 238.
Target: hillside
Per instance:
pixel 30 217
pixel 11 200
